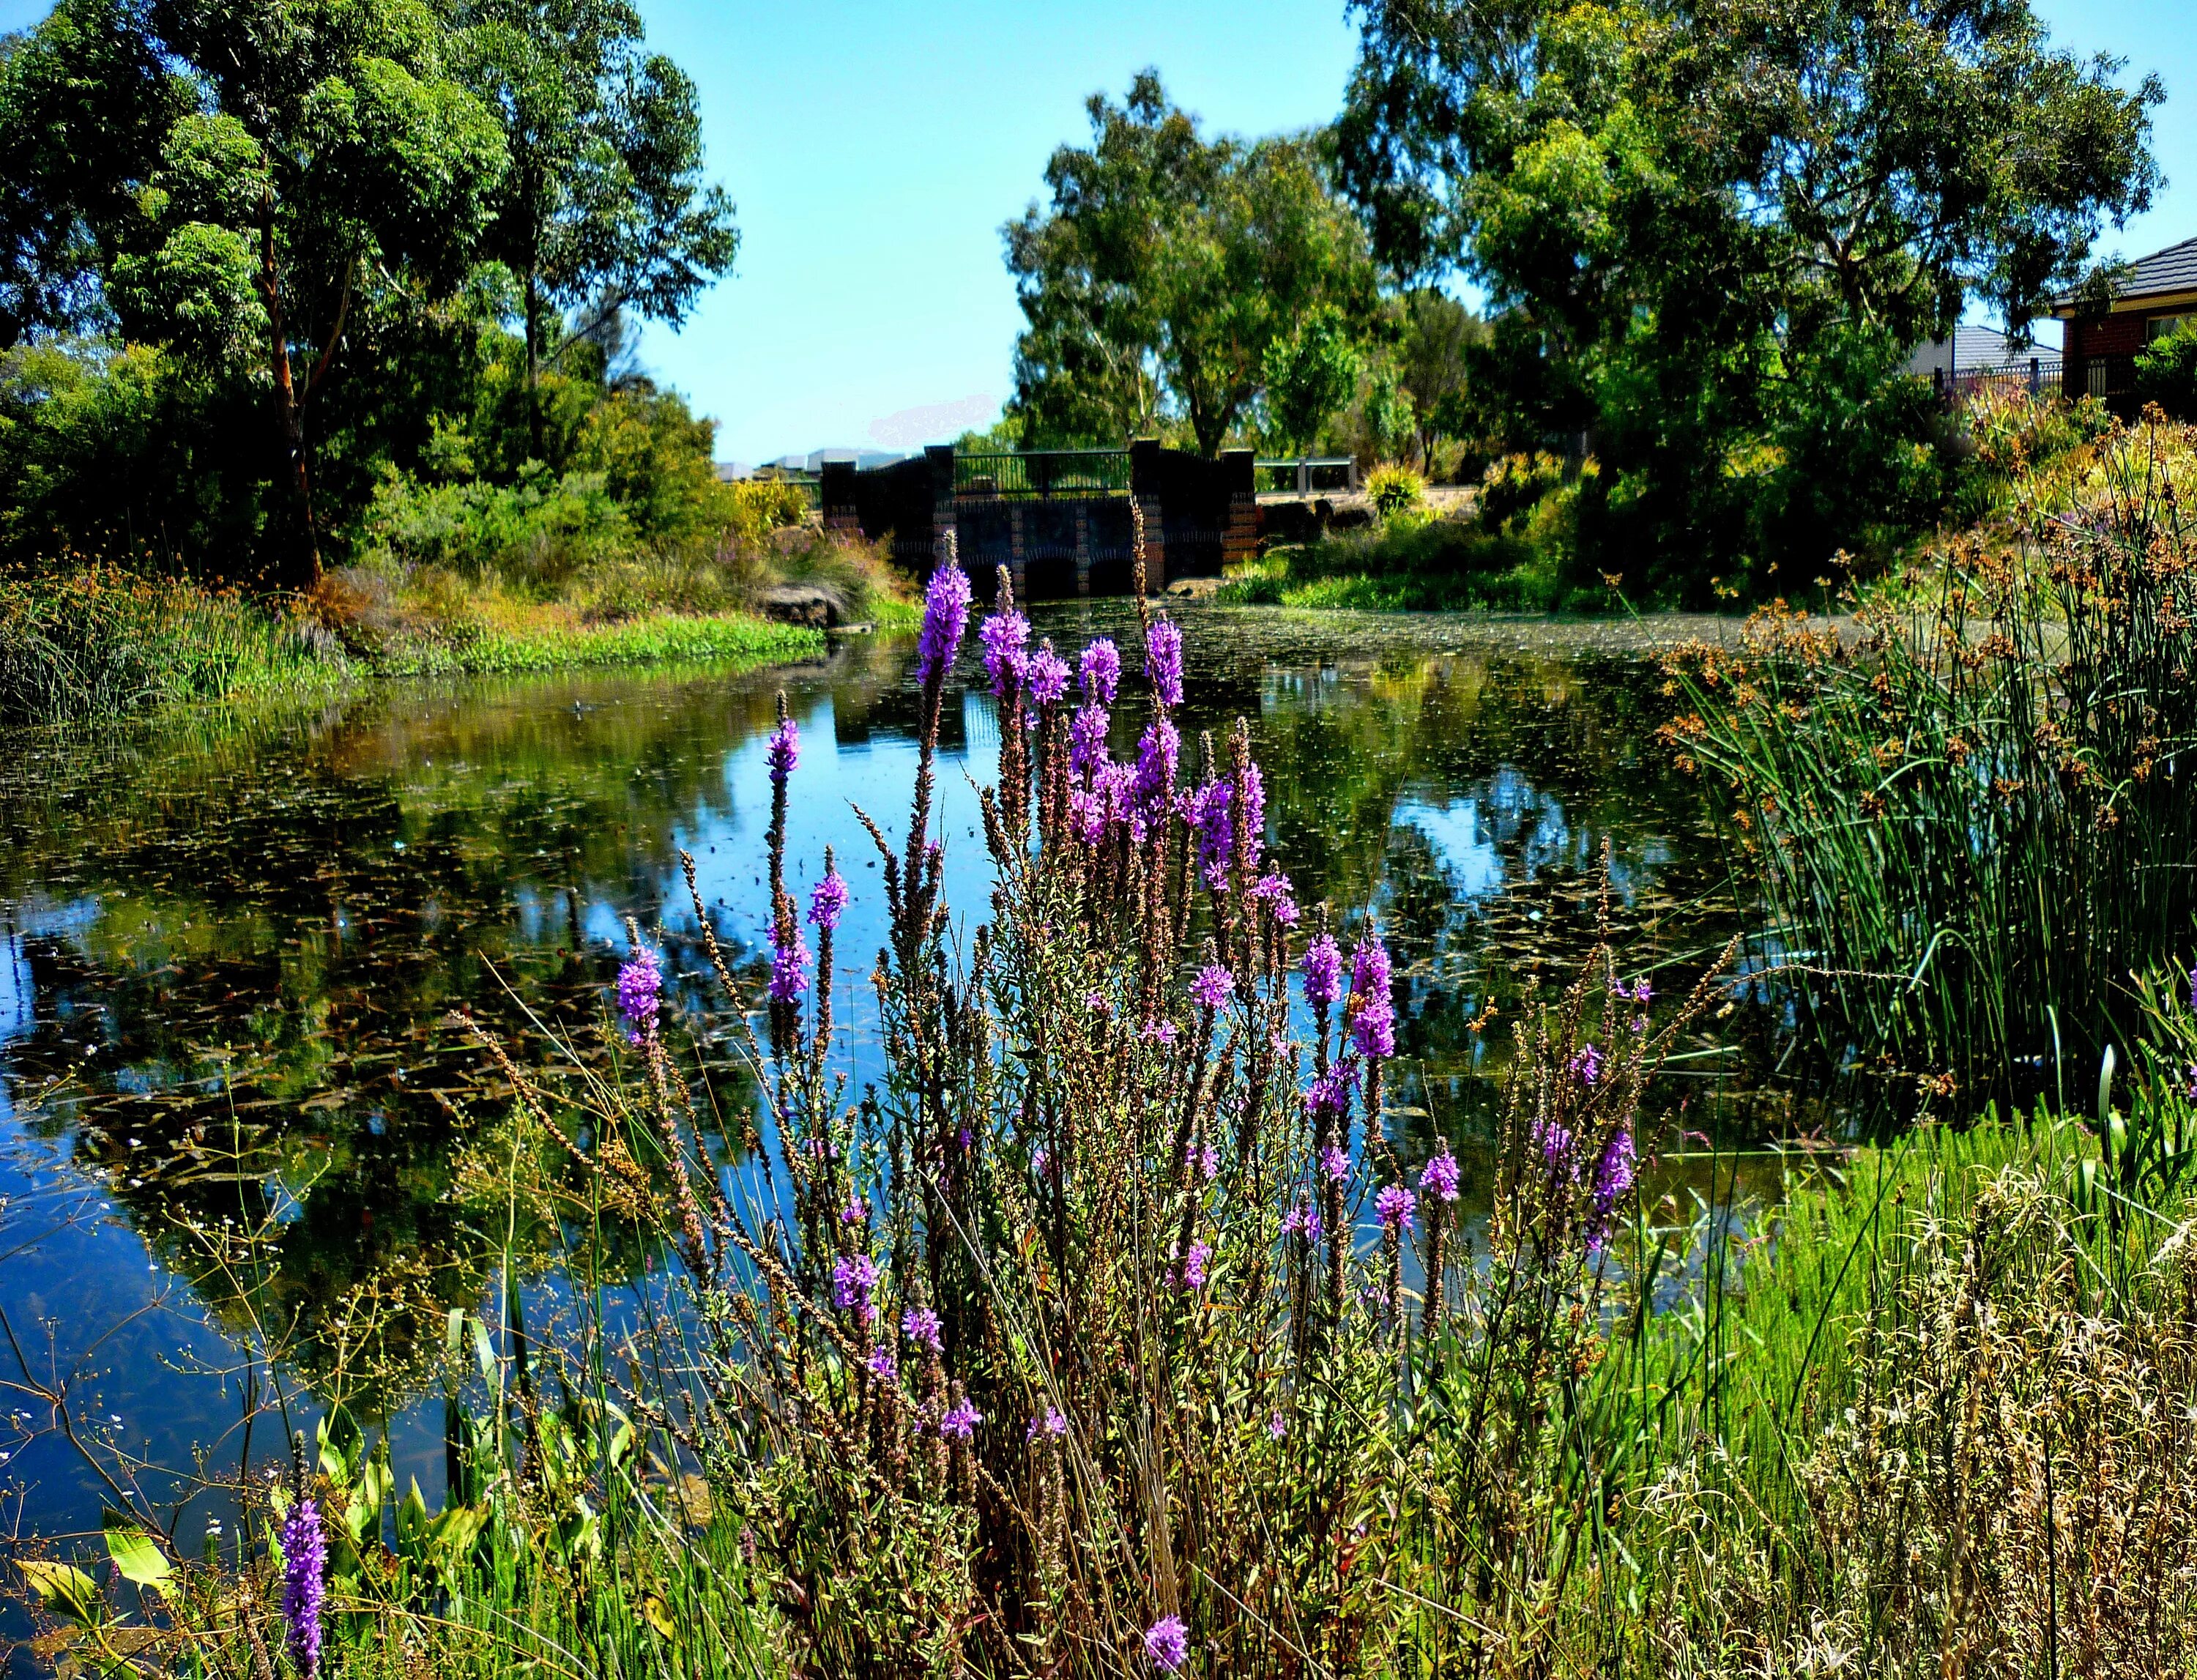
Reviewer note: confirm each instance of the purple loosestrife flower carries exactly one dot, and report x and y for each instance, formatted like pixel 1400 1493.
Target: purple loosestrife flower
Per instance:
pixel 1213 986
pixel 1302 1221
pixel 1335 1161
pixel 920 1324
pixel 1273 890
pixel 1587 1066
pixel 1208 1162
pixel 852 1280
pixel 1166 1642
pixel 1086 739
pixel 1251 801
pixel 962 1420
pixel 1040 1158
pixel 789 969
pixel 1192 1274
pixel 1613 1177
pixel 1100 671
pixel 945 622
pixel 1157 756
pixel 1163 662
pixel 1207 813
pixel 1440 1177
pixel 1555 1144
pixel 1004 636
pixel 640 995
pixel 1161 1031
pixel 828 900
pixel 2193 987
pixel 1331 1092
pixel 1052 1423
pixel 1047 674
pixel 884 1363
pixel 1395 1205
pixel 855 1212
pixel 1373 1029
pixel 1373 1023
pixel 305 1562
pixel 1323 972
pixel 784 754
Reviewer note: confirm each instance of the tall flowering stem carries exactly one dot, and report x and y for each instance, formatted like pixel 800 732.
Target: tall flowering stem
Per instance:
pixel 304 1567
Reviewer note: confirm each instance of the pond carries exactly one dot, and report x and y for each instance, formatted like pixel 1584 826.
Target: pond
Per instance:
pixel 235 948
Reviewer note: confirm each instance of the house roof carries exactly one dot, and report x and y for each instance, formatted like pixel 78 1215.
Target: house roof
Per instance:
pixel 1976 347
pixel 2163 273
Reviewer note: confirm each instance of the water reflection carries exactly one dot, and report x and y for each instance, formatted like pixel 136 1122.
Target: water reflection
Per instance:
pixel 237 949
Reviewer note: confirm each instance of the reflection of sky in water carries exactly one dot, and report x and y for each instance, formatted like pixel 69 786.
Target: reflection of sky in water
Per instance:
pixel 1504 830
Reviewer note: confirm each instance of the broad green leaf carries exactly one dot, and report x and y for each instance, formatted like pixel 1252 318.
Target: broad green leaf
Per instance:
pixel 63 1588
pixel 136 1553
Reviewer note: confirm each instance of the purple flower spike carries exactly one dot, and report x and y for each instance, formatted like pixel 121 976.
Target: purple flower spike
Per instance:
pixel 1440 1177
pixel 1213 986
pixel 1587 1066
pixel 1101 672
pixel 1048 674
pixel 962 1420
pixel 828 900
pixel 852 1280
pixel 1251 798
pixel 920 1324
pixel 1302 1219
pixel 1166 1642
pixel 884 1363
pixel 1395 1205
pixel 789 969
pixel 1192 1274
pixel 1207 812
pixel 1005 635
pixel 640 995
pixel 1163 662
pixel 945 622
pixel 1335 1161
pixel 1613 1177
pixel 784 756
pixel 305 1562
pixel 1052 1423
pixel 1157 756
pixel 1323 972
pixel 1086 739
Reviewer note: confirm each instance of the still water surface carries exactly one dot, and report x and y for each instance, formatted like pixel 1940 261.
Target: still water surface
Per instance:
pixel 231 949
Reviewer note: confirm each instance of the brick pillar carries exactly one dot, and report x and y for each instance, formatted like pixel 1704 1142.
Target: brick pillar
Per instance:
pixel 944 517
pixel 1240 537
pixel 835 491
pixel 1083 548
pixel 1144 487
pixel 1015 566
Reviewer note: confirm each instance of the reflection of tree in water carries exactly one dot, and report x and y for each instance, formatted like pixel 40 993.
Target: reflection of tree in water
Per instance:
pixel 250 1019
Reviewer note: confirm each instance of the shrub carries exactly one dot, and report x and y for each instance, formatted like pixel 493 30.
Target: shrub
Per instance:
pixel 2166 373
pixel 1396 492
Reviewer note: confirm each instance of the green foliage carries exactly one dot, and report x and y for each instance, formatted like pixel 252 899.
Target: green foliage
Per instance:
pixel 1309 374
pixel 1970 826
pixel 1164 270
pixel 1433 366
pixel 2166 373
pixel 1713 237
pixel 1435 566
pixel 539 527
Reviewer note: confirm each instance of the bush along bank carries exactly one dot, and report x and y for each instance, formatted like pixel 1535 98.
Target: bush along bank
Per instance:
pixel 1089 1337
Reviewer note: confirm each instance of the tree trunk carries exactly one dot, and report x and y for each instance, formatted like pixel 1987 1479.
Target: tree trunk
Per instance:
pixel 302 568
pixel 533 347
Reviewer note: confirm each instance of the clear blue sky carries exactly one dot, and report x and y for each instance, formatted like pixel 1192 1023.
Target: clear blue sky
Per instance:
pixel 875 147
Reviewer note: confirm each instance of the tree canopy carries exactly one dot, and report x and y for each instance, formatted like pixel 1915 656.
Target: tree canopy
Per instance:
pixel 1165 267
pixel 1711 234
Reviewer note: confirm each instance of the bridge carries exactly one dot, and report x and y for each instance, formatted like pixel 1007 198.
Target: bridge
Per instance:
pixel 1058 519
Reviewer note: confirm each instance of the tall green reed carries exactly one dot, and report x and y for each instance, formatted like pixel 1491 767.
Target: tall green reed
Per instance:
pixel 1971 822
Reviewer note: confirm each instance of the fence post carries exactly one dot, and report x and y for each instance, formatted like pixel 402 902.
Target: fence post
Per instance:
pixel 944 516
pixel 2032 376
pixel 1082 547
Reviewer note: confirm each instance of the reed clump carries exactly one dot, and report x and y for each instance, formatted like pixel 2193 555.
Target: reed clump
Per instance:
pixel 1970 819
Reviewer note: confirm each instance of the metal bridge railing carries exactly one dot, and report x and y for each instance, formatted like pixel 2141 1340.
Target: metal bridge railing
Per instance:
pixel 1042 473
pixel 1307 475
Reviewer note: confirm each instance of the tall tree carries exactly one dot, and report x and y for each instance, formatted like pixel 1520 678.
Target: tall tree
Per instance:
pixel 289 155
pixel 604 207
pixel 1434 361
pixel 1166 266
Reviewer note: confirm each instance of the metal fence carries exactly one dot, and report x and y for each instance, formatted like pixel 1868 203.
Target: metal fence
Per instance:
pixel 1043 474
pixel 1307 475
pixel 2031 373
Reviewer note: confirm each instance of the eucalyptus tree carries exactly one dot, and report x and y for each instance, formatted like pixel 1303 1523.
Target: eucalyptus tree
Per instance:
pixel 604 206
pixel 1165 267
